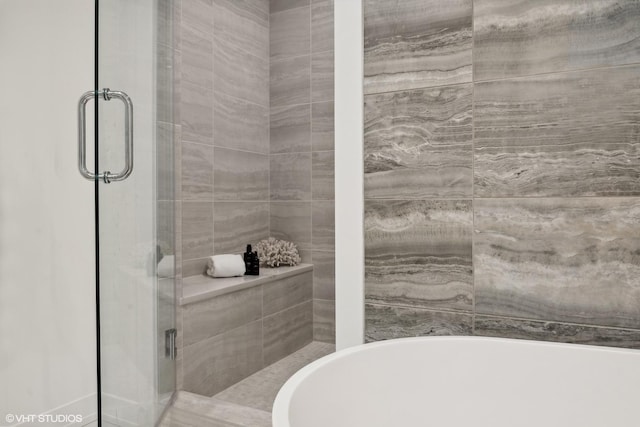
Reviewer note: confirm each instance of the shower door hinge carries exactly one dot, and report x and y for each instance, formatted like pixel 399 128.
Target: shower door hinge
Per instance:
pixel 170 343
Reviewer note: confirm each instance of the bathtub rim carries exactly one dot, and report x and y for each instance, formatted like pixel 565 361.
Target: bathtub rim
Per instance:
pixel 280 411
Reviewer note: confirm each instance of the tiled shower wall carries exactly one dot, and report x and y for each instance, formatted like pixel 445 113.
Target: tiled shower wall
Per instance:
pixel 502 166
pixel 302 143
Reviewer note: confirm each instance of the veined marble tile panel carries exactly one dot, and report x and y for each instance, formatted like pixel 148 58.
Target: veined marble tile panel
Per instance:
pixel 240 175
pixel 384 322
pixel 416 43
pixel 569 134
pixel 290 33
pixel 563 260
pixel 418 253
pixel 244 24
pixel 197 58
pixel 237 224
pixel 240 74
pixel 240 124
pixel 557 332
pixel 291 129
pixel 198 15
pixel 418 144
pixel 521 37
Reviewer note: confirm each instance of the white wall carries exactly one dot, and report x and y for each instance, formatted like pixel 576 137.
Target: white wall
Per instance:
pixel 349 173
pixel 47 344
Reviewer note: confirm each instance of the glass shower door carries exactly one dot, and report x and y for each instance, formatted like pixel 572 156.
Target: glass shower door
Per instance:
pixel 135 238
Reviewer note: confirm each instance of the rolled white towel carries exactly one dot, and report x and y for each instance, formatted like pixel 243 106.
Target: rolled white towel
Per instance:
pixel 166 266
pixel 225 266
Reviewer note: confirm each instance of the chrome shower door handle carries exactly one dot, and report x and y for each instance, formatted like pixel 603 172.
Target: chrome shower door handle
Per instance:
pixel 105 176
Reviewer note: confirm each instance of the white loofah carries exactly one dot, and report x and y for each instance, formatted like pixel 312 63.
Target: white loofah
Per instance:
pixel 275 253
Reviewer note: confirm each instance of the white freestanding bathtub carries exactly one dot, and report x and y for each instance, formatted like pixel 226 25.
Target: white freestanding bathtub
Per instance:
pixel 465 381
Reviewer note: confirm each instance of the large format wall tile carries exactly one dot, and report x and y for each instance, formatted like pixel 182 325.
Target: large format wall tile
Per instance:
pixel 197 229
pixel 558 332
pixel 388 322
pixel 240 74
pixel 240 175
pixel 197 171
pixel 418 253
pixel 321 25
pixel 221 314
pixel 322 76
pixel 416 43
pixel 566 260
pixel 323 225
pixel 291 176
pixel 418 143
pixel 244 24
pixel 322 126
pixel 287 331
pixel 569 134
pixel 323 175
pixel 324 321
pixel 283 294
pixel 197 111
pixel 280 5
pixel 197 58
pixel 523 37
pixel 240 124
pixel 324 275
pixel 238 224
pixel 214 364
pixel 292 221
pixel 291 129
pixel 291 81
pixel 290 33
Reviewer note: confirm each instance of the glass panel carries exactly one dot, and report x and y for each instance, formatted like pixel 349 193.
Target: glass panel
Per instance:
pixel 47 268
pixel 136 215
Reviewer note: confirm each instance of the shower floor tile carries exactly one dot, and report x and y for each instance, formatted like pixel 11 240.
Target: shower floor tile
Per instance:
pixel 247 403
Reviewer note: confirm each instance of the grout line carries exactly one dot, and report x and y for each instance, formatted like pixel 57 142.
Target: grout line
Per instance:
pixel 473 173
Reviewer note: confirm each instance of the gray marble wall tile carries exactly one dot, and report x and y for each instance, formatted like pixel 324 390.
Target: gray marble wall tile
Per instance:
pixel 291 176
pixel 292 221
pixel 290 33
pixel 240 74
pixel 291 81
pixel 516 38
pixel 197 229
pixel 291 129
pixel 286 293
pixel 194 267
pixel 244 24
pixel 323 175
pixel 198 15
pixel 566 260
pixel 214 364
pixel 206 319
pixel 388 322
pixel 324 275
pixel 416 43
pixel 287 331
pixel 196 105
pixel 237 224
pixel 323 225
pixel 324 321
pixel 197 172
pixel 240 124
pixel 321 25
pixel 240 175
pixel 280 5
pixel 418 253
pixel 197 57
pixel 322 76
pixel 322 126
pixel 570 134
pixel 418 144
pixel 557 332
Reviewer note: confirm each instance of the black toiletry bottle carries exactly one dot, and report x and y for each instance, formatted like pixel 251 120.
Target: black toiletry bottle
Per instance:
pixel 251 262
